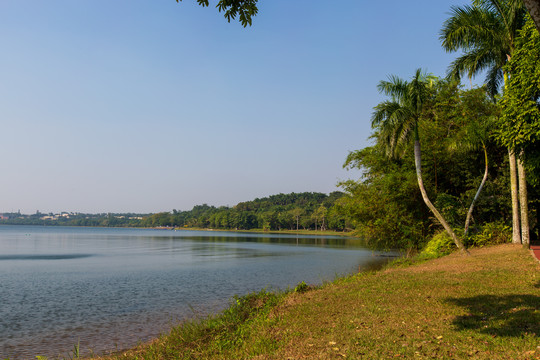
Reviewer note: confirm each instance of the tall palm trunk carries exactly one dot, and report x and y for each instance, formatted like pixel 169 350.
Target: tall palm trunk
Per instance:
pixel 469 213
pixel 516 237
pixel 525 240
pixel 418 164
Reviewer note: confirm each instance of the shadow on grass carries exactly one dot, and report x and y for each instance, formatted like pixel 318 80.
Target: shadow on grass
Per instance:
pixel 510 316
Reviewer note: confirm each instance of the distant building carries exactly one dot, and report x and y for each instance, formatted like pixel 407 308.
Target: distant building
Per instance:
pixel 49 217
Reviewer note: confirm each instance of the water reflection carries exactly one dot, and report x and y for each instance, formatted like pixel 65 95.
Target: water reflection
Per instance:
pixel 44 257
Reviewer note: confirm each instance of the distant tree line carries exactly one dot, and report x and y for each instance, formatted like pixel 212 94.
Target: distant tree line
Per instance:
pixel 307 211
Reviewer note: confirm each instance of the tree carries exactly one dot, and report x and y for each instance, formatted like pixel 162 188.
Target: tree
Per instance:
pixel 336 220
pixel 520 125
pixel 382 206
pixel 296 213
pixel 486 32
pixel 244 9
pixel 320 215
pixel 398 118
pixel 521 113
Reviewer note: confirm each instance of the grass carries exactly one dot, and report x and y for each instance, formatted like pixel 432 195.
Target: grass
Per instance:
pixel 485 306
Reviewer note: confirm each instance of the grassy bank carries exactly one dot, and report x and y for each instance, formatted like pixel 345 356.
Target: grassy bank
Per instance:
pixel 486 306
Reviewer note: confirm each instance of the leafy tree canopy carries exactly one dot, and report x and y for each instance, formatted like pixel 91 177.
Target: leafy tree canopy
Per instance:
pixel 244 9
pixel 520 125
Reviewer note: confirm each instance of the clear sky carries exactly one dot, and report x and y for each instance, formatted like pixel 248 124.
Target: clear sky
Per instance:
pixel 148 106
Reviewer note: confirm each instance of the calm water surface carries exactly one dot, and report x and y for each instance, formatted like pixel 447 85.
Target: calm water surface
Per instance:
pixel 111 288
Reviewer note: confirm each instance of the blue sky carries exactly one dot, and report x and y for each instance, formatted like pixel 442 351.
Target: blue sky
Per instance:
pixel 147 106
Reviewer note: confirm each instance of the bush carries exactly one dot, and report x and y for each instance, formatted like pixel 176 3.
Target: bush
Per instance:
pixel 491 234
pixel 441 244
pixel 248 306
pixel 302 287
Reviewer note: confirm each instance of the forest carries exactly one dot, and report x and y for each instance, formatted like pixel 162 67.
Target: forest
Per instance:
pixel 294 211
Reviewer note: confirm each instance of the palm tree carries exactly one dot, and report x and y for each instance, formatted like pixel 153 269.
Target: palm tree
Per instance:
pixel 397 119
pixel 486 33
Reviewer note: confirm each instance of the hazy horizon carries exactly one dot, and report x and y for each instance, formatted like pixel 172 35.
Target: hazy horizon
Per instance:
pixel 140 213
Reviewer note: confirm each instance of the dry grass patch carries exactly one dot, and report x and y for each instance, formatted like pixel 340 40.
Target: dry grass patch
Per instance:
pixel 485 306
pixel 485 258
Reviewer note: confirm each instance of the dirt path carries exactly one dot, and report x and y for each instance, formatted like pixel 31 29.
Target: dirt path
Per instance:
pixel 536 251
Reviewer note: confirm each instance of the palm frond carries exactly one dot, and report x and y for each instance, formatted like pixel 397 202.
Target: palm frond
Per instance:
pixel 475 61
pixel 382 112
pixel 481 31
pixel 467 27
pixel 419 89
pixel 395 120
pixel 395 87
pixel 494 80
pixel 510 12
pixel 393 123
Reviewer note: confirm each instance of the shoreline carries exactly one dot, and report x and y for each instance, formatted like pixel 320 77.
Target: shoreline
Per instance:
pixel 261 231
pixel 305 324
pixel 348 234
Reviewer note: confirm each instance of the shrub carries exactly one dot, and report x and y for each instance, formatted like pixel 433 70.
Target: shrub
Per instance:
pixel 301 287
pixel 439 245
pixel 491 234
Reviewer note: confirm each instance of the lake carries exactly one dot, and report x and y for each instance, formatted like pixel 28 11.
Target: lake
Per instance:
pixel 109 288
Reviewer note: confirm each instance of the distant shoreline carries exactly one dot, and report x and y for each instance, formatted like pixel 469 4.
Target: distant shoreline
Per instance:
pixel 349 234
pixel 261 231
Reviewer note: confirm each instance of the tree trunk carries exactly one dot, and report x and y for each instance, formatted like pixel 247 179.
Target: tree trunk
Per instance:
pixel 533 6
pixel 516 237
pixel 469 213
pixel 525 240
pixel 418 163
